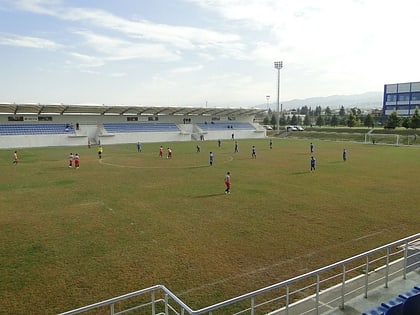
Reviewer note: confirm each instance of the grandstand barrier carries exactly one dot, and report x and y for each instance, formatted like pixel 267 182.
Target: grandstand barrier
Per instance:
pixel 323 289
pixel 226 126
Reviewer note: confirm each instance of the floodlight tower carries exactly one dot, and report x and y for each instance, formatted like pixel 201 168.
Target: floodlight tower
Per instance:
pixel 278 65
pixel 268 101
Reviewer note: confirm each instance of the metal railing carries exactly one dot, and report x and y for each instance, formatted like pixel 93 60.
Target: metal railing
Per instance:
pixel 314 292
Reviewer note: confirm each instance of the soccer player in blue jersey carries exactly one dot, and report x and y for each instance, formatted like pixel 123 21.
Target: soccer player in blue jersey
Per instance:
pixel 313 162
pixel 254 152
pixel 211 158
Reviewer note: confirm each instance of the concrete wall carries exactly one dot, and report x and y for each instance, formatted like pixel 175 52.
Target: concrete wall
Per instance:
pixel 7 142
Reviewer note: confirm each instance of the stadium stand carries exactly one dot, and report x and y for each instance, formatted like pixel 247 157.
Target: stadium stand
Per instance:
pixel 35 129
pixel 140 127
pixel 45 124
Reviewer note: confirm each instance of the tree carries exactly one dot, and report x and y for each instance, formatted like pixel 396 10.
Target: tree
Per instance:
pixel 304 110
pixel 274 119
pixel 351 120
pixel 294 120
pixel 406 122
pixel 368 121
pixel 311 112
pixel 307 120
pixel 283 121
pixel 415 119
pixel 320 121
pixel 356 111
pixel 342 112
pixel 328 111
pixel 334 121
pixel 318 111
pixel 393 121
pixel 266 120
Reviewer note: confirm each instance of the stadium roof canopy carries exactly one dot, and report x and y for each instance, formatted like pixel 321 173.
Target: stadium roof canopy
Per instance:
pixel 86 109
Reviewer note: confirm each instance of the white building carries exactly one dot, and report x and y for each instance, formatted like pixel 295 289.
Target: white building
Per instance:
pixel 43 125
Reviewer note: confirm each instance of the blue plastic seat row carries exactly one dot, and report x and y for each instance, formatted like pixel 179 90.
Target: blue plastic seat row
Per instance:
pixel 140 127
pixel 34 129
pixel 407 303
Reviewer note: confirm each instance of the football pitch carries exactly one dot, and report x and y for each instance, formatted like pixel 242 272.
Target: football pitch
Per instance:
pixel 71 237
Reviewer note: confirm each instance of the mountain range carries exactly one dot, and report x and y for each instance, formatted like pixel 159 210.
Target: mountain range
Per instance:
pixel 368 100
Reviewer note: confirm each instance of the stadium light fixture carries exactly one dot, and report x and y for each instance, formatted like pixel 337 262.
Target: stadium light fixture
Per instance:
pixel 278 65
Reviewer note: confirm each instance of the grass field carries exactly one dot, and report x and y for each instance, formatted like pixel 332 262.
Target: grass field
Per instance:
pixel 72 237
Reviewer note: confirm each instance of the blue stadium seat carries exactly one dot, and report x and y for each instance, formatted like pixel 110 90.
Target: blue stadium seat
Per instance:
pixel 411 301
pixel 394 306
pixel 407 303
pixel 380 310
pixel 140 127
pixel 406 295
pixel 34 129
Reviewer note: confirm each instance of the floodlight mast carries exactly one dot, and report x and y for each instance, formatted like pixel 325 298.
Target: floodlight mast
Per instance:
pixel 278 65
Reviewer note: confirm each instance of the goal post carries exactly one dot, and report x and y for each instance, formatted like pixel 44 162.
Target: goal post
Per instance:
pixel 375 138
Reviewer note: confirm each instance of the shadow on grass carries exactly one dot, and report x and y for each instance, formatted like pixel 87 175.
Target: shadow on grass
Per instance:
pixel 243 158
pixel 196 166
pixel 337 162
pixel 209 195
pixel 300 173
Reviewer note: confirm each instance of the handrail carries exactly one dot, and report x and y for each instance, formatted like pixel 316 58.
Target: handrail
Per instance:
pixel 253 294
pixel 301 277
pixel 129 295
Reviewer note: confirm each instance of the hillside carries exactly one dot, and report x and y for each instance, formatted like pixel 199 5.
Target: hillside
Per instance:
pixel 370 100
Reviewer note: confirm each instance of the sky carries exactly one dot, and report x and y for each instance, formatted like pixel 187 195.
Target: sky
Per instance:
pixel 215 53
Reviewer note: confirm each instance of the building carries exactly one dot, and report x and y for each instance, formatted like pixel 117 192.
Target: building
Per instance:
pixel 402 98
pixel 44 125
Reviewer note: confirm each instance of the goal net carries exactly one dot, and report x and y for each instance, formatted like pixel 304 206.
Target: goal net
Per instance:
pixel 374 138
